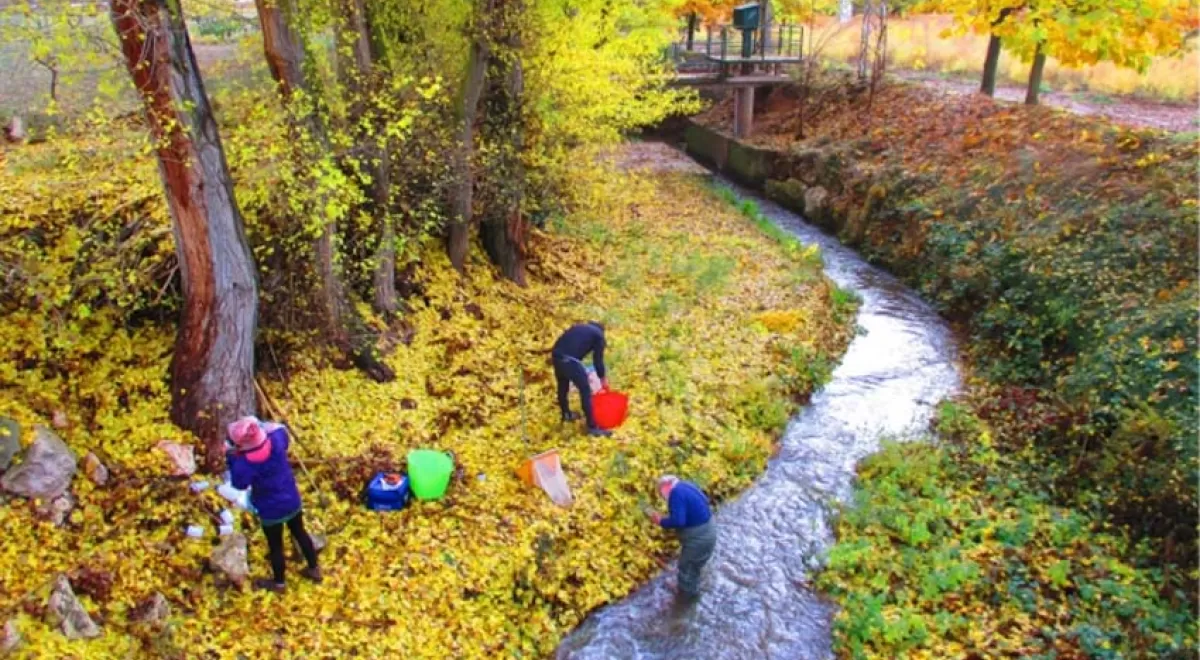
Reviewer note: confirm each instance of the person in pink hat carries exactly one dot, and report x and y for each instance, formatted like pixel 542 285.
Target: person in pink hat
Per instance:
pixel 258 461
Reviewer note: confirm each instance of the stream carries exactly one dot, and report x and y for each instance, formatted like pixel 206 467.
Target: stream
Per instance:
pixel 757 600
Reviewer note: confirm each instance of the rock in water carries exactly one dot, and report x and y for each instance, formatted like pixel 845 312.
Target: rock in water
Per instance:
pixel 46 470
pixel 229 559
pixel 94 469
pixel 10 441
pixel 65 612
pixel 815 201
pixel 153 611
pixel 10 638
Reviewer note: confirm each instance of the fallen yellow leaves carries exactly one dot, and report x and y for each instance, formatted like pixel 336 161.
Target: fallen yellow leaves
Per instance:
pixel 694 298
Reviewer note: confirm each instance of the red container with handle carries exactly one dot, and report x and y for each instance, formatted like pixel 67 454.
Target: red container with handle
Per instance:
pixel 610 408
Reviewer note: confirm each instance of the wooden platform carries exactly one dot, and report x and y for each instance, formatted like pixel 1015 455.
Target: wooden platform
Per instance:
pixel 753 59
pixel 715 79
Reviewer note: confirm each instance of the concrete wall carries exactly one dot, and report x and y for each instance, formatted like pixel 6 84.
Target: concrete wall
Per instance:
pixel 805 181
pixel 746 164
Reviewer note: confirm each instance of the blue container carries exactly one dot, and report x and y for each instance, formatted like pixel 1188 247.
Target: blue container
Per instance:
pixel 380 497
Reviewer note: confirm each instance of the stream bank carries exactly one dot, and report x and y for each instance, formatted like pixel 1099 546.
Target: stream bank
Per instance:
pixel 757 601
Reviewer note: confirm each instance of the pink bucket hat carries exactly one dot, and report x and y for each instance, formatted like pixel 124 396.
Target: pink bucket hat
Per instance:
pixel 247 434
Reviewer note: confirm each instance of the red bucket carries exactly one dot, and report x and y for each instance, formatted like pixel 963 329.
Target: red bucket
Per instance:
pixel 609 408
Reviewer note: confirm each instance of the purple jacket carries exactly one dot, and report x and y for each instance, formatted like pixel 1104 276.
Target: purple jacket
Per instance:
pixel 274 493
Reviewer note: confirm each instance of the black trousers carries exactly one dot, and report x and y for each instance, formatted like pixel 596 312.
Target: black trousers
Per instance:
pixel 275 544
pixel 567 371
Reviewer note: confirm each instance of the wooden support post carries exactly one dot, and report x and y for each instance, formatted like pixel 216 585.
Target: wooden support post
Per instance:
pixel 743 111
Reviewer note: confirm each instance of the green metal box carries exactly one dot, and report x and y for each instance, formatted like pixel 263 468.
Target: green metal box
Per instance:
pixel 745 17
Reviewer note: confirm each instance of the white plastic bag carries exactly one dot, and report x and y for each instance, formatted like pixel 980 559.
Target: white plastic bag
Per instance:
pixel 593 382
pixel 239 498
pixel 549 476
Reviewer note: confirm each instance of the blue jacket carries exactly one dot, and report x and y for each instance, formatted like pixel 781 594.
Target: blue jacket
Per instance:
pixel 688 507
pixel 273 486
pixel 578 341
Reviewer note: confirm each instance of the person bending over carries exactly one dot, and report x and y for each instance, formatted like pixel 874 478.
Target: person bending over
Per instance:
pixel 691 519
pixel 568 353
pixel 258 461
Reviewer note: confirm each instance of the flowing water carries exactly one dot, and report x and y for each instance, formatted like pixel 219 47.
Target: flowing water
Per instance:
pixel 757 600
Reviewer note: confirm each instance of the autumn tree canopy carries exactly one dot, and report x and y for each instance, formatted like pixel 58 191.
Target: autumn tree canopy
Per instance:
pixel 1128 33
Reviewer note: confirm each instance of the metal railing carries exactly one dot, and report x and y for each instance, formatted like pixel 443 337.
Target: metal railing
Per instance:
pixel 783 43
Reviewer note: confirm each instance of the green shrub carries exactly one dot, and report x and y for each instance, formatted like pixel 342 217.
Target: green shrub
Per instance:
pixel 940 556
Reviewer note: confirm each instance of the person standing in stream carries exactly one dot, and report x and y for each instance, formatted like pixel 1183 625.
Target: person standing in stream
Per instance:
pixel 258 460
pixel 568 353
pixel 691 518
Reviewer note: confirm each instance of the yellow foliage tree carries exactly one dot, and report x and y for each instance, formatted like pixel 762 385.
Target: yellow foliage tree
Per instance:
pixel 1128 33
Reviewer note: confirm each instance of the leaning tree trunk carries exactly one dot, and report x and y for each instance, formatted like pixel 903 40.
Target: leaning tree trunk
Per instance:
pixel 1035 76
pixel 505 230
pixel 285 52
pixel 212 370
pixel 459 234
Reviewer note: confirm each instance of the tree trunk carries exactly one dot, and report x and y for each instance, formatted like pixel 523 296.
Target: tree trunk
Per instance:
pixel 284 49
pixel 990 64
pixel 384 285
pixel 505 230
pixel 212 369
pixel 1035 76
pixel 691 30
pixel 468 109
pixel 377 162
pixel 864 41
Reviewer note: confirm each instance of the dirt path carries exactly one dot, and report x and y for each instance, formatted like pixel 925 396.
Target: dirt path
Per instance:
pixel 1122 110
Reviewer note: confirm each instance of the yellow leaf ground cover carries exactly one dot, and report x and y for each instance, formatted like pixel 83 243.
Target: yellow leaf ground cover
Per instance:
pixel 706 316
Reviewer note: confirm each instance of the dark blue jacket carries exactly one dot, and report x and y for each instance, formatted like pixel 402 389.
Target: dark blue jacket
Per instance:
pixel 274 493
pixel 578 341
pixel 688 507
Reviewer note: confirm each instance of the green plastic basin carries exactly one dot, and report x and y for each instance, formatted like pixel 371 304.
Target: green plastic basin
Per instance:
pixel 429 473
